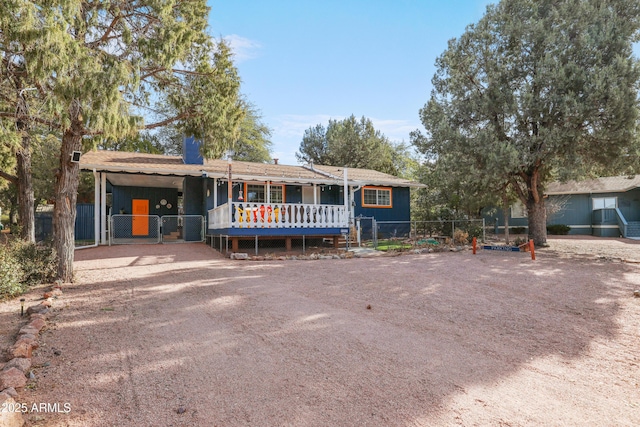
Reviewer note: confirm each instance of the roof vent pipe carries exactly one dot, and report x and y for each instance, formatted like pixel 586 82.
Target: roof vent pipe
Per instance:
pixel 275 161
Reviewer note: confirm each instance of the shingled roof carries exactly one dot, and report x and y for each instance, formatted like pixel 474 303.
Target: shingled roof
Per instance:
pixel 157 164
pixel 612 184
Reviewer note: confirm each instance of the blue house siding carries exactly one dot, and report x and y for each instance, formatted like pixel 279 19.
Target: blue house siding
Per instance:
pixel 122 197
pixel 400 210
pixel 576 211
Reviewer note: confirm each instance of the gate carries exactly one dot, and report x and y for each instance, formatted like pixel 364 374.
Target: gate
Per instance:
pixel 367 230
pixel 126 229
pixel 182 228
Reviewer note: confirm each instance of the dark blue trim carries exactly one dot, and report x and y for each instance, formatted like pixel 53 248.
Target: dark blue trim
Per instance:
pixel 277 231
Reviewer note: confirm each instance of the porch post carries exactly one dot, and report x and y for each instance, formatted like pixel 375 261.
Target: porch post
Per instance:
pixel 346 198
pixel 103 207
pixel 96 207
pixel 215 193
pixel 267 196
pixel 230 198
pixel 315 194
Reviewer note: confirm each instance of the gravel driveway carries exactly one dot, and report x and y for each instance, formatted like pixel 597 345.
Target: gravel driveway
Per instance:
pixel 176 335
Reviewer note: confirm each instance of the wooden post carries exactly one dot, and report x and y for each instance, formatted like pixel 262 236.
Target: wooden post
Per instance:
pixel 234 244
pixel 475 242
pixel 287 243
pixel 336 242
pixel 532 249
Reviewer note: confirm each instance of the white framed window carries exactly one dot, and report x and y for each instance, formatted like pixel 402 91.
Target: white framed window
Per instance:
pixel 605 203
pixel 256 193
pixel 376 197
pixel 518 210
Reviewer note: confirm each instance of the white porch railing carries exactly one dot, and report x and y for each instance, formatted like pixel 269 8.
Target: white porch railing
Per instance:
pixel 278 215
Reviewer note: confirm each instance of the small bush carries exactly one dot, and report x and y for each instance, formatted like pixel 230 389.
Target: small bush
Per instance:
pixel 10 274
pixel 519 241
pixel 460 237
pixel 558 229
pixel 38 262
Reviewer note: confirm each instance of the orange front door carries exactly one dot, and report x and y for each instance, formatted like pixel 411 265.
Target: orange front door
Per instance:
pixel 140 220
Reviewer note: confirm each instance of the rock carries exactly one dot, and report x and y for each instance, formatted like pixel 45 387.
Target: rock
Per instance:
pixel 38 308
pixel 37 324
pixel 336 256
pixel 239 256
pixel 23 347
pixel 38 316
pixel 28 330
pixel 313 256
pixel 282 258
pixel 55 292
pixel 636 293
pixel 11 392
pixel 12 377
pixel 28 338
pixel 325 257
pixel 10 418
pixel 257 258
pixel 21 363
pixel 46 303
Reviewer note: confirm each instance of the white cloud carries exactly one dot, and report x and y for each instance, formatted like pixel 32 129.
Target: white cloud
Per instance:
pixel 243 48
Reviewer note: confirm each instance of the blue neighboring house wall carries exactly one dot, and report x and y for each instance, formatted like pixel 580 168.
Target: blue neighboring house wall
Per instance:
pixel 577 211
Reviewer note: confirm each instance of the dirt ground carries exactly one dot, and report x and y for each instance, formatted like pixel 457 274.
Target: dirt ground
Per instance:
pixel 177 335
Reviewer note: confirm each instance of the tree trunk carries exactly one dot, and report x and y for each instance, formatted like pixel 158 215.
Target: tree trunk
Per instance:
pixel 537 214
pixel 24 183
pixel 66 194
pixel 24 187
pixel 505 213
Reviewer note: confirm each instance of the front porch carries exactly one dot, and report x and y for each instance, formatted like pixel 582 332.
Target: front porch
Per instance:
pixel 287 221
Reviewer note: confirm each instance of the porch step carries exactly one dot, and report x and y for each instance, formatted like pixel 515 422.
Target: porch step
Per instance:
pixel 633 229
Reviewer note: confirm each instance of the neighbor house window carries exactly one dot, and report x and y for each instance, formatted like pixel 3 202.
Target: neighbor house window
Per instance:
pixel 376 197
pixel 256 193
pixel 518 210
pixel 605 203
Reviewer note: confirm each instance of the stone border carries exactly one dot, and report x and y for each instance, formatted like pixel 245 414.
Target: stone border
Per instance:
pixel 14 373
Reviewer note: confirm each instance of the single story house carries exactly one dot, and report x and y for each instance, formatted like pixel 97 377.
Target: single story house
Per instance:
pixel 157 198
pixel 607 207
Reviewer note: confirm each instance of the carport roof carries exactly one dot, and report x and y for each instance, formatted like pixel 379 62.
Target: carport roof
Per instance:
pixel 157 164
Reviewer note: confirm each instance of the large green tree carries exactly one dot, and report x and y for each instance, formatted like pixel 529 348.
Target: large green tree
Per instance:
pixel 533 92
pixel 96 67
pixel 352 143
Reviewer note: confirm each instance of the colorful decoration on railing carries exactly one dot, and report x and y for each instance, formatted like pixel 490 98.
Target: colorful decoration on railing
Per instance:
pixel 268 215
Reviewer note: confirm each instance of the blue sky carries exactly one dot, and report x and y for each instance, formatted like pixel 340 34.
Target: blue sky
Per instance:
pixel 304 62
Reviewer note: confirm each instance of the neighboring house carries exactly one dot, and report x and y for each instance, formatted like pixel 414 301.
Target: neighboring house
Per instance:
pixel 155 198
pixel 608 207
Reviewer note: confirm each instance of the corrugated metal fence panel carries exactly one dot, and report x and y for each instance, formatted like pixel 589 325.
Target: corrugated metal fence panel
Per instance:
pixel 85 222
pixel 84 228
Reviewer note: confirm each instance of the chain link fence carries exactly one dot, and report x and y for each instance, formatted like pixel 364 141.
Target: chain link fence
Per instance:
pixel 182 228
pixel 153 229
pixel 405 235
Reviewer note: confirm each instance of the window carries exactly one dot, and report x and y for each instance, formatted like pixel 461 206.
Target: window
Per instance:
pixel 518 210
pixel 376 197
pixel 605 203
pixel 256 193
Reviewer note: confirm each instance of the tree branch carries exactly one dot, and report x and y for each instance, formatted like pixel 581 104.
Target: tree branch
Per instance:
pixel 167 121
pixel 11 178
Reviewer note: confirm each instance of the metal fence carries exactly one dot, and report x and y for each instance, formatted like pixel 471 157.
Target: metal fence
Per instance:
pixel 412 234
pixel 153 229
pixel 183 228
